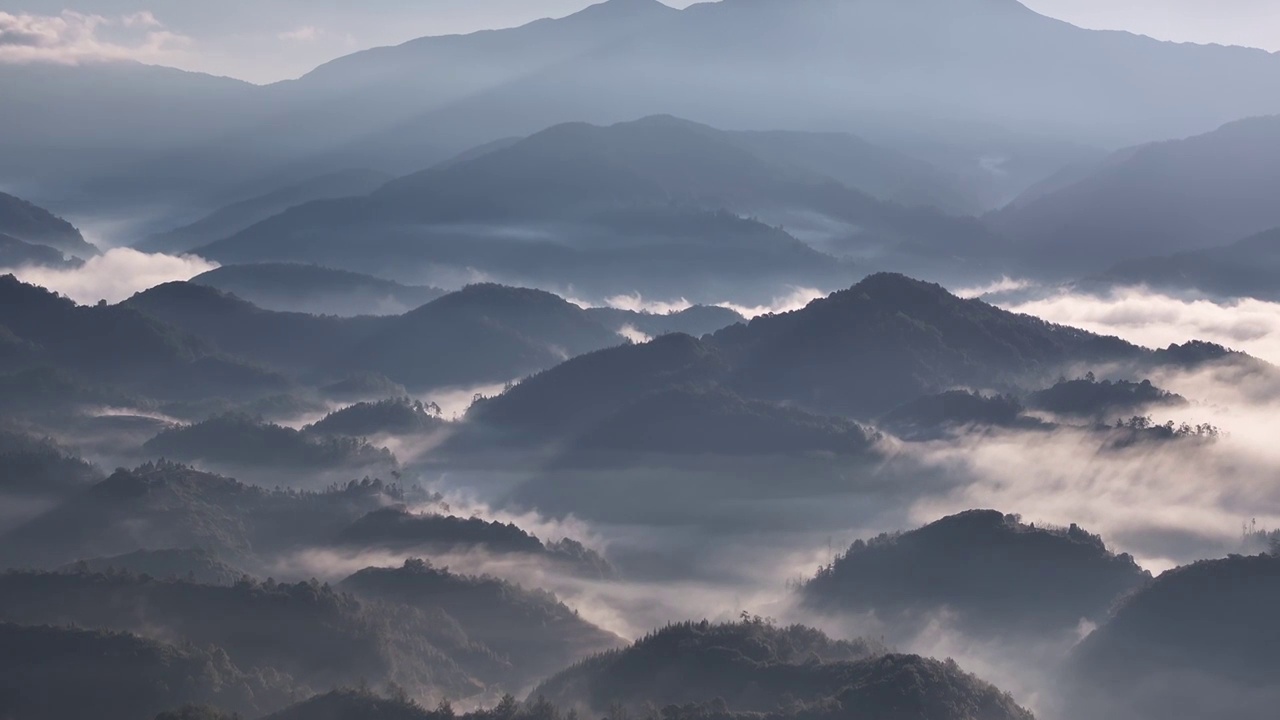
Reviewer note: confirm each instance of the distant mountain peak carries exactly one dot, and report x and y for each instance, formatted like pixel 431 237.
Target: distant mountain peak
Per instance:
pixel 624 8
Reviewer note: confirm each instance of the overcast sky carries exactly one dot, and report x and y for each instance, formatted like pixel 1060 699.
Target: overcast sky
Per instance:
pixel 267 40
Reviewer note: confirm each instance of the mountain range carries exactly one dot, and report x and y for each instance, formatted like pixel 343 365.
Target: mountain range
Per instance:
pixel 1020 91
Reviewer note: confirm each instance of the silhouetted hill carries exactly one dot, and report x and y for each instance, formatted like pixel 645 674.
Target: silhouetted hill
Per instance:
pixel 1103 400
pixel 1158 199
pixel 889 339
pixel 292 287
pixel 29 223
pixel 531 628
pixel 291 341
pixel 1246 268
pixel 863 351
pixel 480 334
pixel 396 416
pixel 49 673
pixel 233 218
pixel 585 390
pixel 238 440
pixel 997 575
pixel 630 190
pixel 934 416
pixel 715 422
pixel 164 505
pixel 396 528
pixel 36 466
pixel 350 705
pixel 195 565
pixel 753 666
pixel 118 345
pixel 696 321
pixel 1195 641
pixel 305 630
pixel 15 253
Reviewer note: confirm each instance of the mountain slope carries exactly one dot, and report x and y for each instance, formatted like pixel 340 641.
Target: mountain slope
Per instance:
pixel 998 575
pixel 860 352
pixel 15 253
pixel 480 334
pixel 1246 268
pixel 48 673
pixel 233 218
pixel 29 223
pixel 288 287
pixel 668 194
pixel 752 666
pixel 1194 641
pixel 532 629
pixel 1158 199
pixel 119 345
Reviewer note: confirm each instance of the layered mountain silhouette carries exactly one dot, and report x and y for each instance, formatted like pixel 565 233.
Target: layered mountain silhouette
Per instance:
pixel 303 630
pixel 530 628
pixel 197 565
pixel 480 334
pixel 33 225
pixel 751 666
pixel 237 216
pixel 993 573
pixel 15 253
pixel 291 287
pixel 1193 641
pixel 661 192
pixel 1245 268
pixel 1157 200
pixel 58 672
pixel 117 345
pixel 398 529
pixel 860 352
pixel 165 505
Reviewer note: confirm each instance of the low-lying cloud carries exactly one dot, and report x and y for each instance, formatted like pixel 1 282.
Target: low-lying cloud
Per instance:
pixel 1154 319
pixel 115 275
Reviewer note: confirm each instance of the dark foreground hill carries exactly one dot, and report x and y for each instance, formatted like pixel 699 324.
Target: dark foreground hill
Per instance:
pixel 753 666
pixel 1196 642
pixel 49 673
pixel 308 631
pixel 995 574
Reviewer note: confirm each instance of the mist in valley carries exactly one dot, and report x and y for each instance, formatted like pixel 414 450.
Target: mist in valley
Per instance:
pixel 815 360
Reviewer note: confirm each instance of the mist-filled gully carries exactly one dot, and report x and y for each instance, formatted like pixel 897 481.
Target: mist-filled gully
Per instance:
pixel 762 360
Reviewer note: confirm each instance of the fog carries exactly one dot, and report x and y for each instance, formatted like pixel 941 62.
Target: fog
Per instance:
pixel 113 276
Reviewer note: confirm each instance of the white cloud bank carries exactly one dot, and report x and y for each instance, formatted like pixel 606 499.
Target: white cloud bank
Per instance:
pixel 72 38
pixel 115 275
pixel 1153 319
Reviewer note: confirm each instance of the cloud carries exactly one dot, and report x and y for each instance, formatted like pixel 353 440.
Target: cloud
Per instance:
pixel 1154 319
pixel 71 38
pixel 1005 284
pixel 306 33
pixel 794 300
pixel 115 275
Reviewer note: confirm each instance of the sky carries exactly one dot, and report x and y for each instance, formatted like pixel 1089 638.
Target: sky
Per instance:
pixel 269 40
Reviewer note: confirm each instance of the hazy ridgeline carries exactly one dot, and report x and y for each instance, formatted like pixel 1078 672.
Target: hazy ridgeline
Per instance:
pixel 758 360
